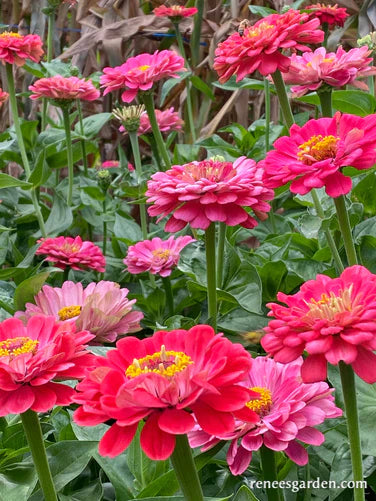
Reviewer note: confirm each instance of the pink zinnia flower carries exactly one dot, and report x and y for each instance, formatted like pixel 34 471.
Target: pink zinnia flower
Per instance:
pixel 330 14
pixel 73 252
pixel 332 319
pixel 336 69
pixel 259 48
pixel 313 155
pixel 175 11
pixel 16 48
pixel 140 72
pixel 172 380
pixel 167 120
pixel 101 308
pixel 200 193
pixel 109 164
pixel 64 89
pixel 3 97
pixel 288 411
pixel 34 357
pixel 156 256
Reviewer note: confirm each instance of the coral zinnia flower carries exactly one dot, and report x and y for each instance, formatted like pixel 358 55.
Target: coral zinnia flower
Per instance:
pixel 140 72
pixel 199 193
pixel 330 14
pixel 259 48
pixel 288 410
pixel 101 308
pixel 34 357
pixel 3 97
pixel 62 89
pixel 313 69
pixel 16 48
pixel 109 164
pixel 175 11
pixel 167 120
pixel 171 380
pixel 332 319
pixel 73 252
pixel 157 256
pixel 313 155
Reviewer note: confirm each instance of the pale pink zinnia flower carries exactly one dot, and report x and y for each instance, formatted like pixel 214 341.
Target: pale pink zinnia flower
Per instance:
pixel 332 319
pixel 314 155
pixel 200 193
pixel 156 256
pixel 73 252
pixel 3 97
pixel 336 69
pixel 102 308
pixel 140 72
pixel 259 48
pixel 288 411
pixel 16 48
pixel 175 11
pixel 329 14
pixel 168 120
pixel 62 88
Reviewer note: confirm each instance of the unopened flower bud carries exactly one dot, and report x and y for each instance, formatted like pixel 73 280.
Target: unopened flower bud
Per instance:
pixel 129 116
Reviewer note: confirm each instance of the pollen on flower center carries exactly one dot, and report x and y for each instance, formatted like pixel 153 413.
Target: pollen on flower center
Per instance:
pixel 328 306
pixel 161 253
pixel 317 148
pixel 144 67
pixel 12 34
pixel 15 346
pixel 69 312
pixel 261 405
pixel 165 363
pixel 258 30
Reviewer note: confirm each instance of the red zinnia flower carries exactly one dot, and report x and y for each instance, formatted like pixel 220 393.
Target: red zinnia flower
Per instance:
pixel 16 48
pixel 173 380
pixel 330 14
pixel 64 88
pixel 176 11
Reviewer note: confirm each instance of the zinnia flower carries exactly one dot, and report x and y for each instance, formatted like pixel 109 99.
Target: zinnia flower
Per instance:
pixel 332 319
pixel 176 12
pixel 167 120
pixel 173 380
pixel 34 357
pixel 157 256
pixel 62 89
pixel 16 48
pixel 313 155
pixel 199 193
pixel 329 14
pixel 140 72
pixel 73 252
pixel 101 308
pixel 109 164
pixel 3 97
pixel 259 48
pixel 336 69
pixel 288 411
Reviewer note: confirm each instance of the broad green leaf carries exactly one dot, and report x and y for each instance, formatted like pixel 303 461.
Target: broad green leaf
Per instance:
pixel 58 67
pixel 92 491
pixel 179 498
pixel 261 11
pixel 364 192
pixel 127 229
pixel 11 182
pixel 171 83
pixel 40 172
pixel 202 87
pixel 60 217
pixel 29 288
pixel 17 482
pixel 356 102
pixel 92 124
pixel 245 494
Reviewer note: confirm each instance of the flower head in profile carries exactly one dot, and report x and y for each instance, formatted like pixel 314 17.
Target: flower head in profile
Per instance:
pixel 102 308
pixel 110 164
pixel 288 411
pixel 64 89
pixel 156 256
pixel 72 252
pixel 173 380
pixel 35 358
pixel 200 193
pixel 332 319
pixel 168 120
pixel 329 14
pixel 314 154
pixel 139 73
pixel 259 47
pixel 3 97
pixel 175 12
pixel 16 48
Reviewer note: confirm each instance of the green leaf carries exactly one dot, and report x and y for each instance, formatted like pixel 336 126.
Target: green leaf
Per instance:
pixel 92 124
pixel 356 102
pixel 261 11
pixel 29 288
pixel 11 182
pixel 171 83
pixel 60 217
pixel 245 494
pixel 41 172
pixel 177 498
pixel 58 67
pixel 202 87
pixel 364 192
pixel 126 229
pixel 92 491
pixel 245 83
pixel 17 482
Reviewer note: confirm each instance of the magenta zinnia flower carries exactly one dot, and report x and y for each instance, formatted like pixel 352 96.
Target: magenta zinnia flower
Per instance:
pixel 313 155
pixel 101 308
pixel 64 89
pixel 156 256
pixel 175 11
pixel 140 72
pixel 259 48
pixel 288 411
pixel 16 48
pixel 73 252
pixel 200 193
pixel 172 380
pixel 109 164
pixel 332 319
pixel 35 358
pixel 329 14
pixel 167 120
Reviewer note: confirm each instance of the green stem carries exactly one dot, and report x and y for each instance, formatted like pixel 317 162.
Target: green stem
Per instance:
pixel 82 141
pixel 344 224
pixel 137 163
pixel 169 297
pixel 349 395
pixel 269 470
pixel 326 103
pixel 68 136
pixel 21 145
pixel 196 34
pixel 104 246
pixel 50 38
pixel 284 102
pixel 66 274
pixel 220 253
pixel 210 273
pixel 149 105
pixel 267 114
pixel 34 437
pixel 185 470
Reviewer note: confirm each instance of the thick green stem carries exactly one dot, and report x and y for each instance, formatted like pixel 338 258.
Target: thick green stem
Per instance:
pixel 169 297
pixel 196 34
pixel 50 40
pixel 284 102
pixel 269 470
pixel 326 103
pixel 211 275
pixel 68 137
pixel 220 253
pixel 137 162
pixel 185 470
pixel 21 145
pixel 349 396
pixel 34 437
pixel 344 224
pixel 104 246
pixel 267 114
pixel 149 105
pixel 82 141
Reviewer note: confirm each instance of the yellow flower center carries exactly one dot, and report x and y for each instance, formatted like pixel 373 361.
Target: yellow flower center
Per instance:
pixel 11 34
pixel 143 67
pixel 261 405
pixel 69 312
pixel 328 60
pixel 161 253
pixel 318 148
pixel 327 307
pixel 258 30
pixel 165 363
pixel 17 346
